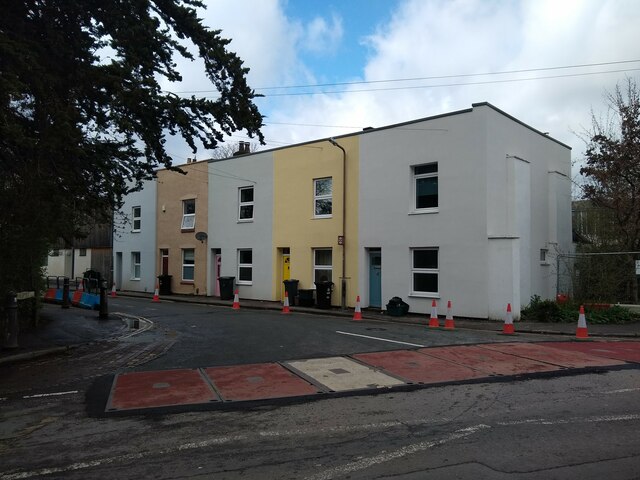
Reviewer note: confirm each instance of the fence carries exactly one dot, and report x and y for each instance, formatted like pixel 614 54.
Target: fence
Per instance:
pixel 601 277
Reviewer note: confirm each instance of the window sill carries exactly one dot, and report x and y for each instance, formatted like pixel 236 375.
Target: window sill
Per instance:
pixel 134 279
pixel 424 295
pixel 135 231
pixel 545 264
pixel 248 220
pixel 321 217
pixel 424 211
pixel 187 230
pixel 187 282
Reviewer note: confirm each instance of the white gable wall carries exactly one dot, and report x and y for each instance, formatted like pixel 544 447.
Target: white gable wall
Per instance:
pixel 493 216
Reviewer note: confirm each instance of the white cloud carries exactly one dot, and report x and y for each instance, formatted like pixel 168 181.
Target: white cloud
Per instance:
pixel 434 38
pixel 323 37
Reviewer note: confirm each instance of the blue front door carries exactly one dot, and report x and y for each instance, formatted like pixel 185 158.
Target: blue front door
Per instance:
pixel 375 279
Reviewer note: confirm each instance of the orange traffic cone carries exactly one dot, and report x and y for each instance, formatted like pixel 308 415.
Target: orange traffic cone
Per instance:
pixel 581 331
pixel 81 286
pixel 508 328
pixel 236 301
pixel 285 307
pixel 433 320
pixel 357 315
pixel 448 321
pixel 156 294
pixel 113 290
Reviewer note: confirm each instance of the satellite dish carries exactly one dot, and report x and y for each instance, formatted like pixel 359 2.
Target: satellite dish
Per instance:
pixel 202 236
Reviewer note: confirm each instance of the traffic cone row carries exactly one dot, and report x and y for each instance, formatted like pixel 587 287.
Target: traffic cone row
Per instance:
pixel 508 328
pixel 357 314
pixel 448 321
pixel 433 320
pixel 581 331
pixel 236 300
pixel 285 307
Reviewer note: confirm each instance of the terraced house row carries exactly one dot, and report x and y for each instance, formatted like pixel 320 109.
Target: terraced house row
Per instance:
pixel 470 206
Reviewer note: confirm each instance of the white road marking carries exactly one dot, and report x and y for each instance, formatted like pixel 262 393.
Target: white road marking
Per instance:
pixel 393 455
pixel 55 394
pixel 381 339
pixel 623 390
pixel 544 421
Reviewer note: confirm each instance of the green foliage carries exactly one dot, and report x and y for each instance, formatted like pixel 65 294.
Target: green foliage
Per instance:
pixel 549 311
pixel 83 112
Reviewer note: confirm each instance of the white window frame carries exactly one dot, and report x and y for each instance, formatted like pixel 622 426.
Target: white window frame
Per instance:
pixel 246 204
pixel 136 265
pixel 436 271
pixel 323 197
pixel 414 188
pixel 188 265
pixel 136 218
pixel 188 219
pixel 249 266
pixel 317 266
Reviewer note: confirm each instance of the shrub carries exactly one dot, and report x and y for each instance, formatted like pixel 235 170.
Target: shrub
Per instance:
pixel 549 311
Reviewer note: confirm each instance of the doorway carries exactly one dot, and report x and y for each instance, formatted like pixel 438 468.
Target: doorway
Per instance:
pixel 217 266
pixel 164 261
pixel 375 277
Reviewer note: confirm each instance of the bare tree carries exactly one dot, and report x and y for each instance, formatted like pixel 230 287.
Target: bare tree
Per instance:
pixel 612 170
pixel 228 150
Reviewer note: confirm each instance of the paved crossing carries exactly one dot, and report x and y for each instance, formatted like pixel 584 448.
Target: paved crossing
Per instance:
pixel 365 373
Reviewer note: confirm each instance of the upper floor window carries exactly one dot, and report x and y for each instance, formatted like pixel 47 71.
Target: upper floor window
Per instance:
pixel 189 214
pixel 322 197
pixel 424 271
pixel 425 186
pixel 136 215
pixel 245 204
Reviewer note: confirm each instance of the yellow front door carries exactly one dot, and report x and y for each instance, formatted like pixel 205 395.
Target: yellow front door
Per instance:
pixel 286 273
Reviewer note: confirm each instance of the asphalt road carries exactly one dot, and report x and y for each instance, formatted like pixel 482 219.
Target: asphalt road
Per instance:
pixel 582 426
pixel 210 336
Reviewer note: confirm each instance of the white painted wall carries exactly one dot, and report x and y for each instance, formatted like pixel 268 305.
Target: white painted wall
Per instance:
pixel 228 234
pixel 493 216
pixel 125 241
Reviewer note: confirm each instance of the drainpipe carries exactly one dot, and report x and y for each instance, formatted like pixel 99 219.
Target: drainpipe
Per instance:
pixel 343 300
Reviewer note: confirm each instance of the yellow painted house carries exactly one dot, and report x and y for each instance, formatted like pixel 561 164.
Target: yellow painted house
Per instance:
pixel 315 217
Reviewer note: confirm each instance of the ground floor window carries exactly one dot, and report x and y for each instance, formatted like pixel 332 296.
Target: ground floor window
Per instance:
pixel 424 270
pixel 188 264
pixel 135 266
pixel 245 266
pixel 322 265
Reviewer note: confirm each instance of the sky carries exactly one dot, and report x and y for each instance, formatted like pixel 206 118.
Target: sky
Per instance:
pixel 362 63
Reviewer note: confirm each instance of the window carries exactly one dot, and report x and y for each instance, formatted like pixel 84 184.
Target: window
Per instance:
pixel 245 204
pixel 188 264
pixel 322 199
pixel 425 271
pixel 322 265
pixel 543 256
pixel 82 252
pixel 425 186
pixel 135 265
pixel 136 215
pixel 245 266
pixel 189 214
